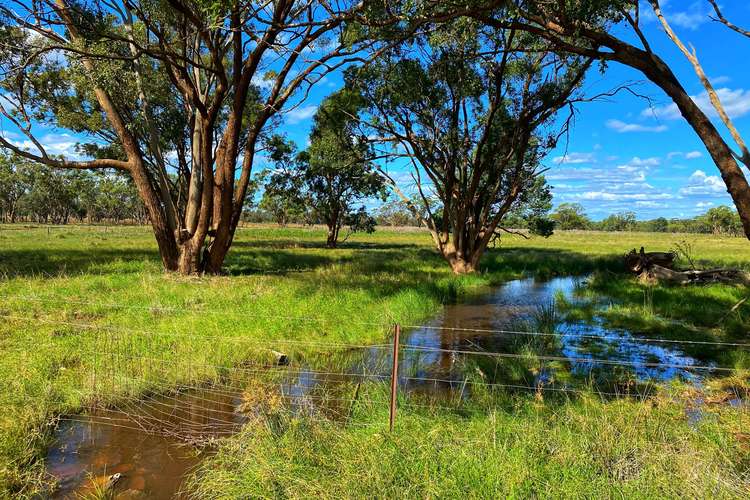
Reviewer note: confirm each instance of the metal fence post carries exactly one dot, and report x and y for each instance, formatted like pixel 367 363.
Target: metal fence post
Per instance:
pixel 394 375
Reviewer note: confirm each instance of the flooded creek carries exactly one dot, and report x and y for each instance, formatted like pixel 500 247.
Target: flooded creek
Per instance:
pixel 89 449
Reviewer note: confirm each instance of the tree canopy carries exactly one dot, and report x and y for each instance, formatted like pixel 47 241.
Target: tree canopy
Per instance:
pixel 332 175
pixel 473 116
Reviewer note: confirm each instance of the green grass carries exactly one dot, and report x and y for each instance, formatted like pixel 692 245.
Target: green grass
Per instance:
pixel 56 280
pixel 574 449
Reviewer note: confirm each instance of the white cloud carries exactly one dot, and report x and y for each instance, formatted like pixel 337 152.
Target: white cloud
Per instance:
pixel 718 80
pixel 574 158
pixel 607 196
pixel 736 103
pixel 300 114
pixel 699 183
pixel 638 162
pixel 691 18
pixel 704 204
pixel 622 127
pixel 650 204
pixel 690 155
pixel 53 144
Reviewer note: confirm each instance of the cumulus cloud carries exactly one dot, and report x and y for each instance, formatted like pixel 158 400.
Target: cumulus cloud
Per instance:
pixel 736 103
pixel 54 145
pixel 607 196
pixel 690 155
pixel 690 18
pixel 300 114
pixel 622 127
pixel 574 158
pixel 701 184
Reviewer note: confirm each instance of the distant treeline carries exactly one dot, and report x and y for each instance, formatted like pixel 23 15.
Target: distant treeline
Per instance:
pixel 34 193
pixel 392 213
pixel 721 220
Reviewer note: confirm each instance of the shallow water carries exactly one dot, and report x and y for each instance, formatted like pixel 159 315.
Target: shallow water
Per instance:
pixel 149 441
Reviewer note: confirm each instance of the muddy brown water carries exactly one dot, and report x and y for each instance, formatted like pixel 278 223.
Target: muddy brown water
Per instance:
pixel 88 449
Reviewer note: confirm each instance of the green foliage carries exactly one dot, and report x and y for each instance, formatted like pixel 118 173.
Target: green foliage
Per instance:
pixel 396 212
pixel 46 195
pixel 621 221
pixel 531 209
pixel 360 221
pixel 720 220
pixel 475 119
pixel 541 226
pixel 327 179
pixel 570 216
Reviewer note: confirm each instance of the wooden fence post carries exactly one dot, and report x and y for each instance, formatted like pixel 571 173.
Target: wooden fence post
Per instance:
pixel 394 375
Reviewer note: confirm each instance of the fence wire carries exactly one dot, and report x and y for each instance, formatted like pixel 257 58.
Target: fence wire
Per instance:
pixel 157 385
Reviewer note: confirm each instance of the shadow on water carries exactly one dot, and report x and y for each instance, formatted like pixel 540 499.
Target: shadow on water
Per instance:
pixel 151 443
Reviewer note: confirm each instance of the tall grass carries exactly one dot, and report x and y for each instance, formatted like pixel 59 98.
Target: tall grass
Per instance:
pixel 577 449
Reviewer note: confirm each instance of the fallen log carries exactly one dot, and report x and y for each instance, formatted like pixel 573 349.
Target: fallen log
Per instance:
pixel 639 261
pixel 659 266
pixel 731 276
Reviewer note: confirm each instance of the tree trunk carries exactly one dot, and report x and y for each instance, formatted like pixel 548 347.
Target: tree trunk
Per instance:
pixel 189 260
pixel 462 261
pixel 461 266
pixel 165 238
pixel 332 238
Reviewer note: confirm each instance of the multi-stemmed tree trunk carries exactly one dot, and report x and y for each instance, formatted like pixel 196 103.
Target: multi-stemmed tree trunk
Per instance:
pixel 225 73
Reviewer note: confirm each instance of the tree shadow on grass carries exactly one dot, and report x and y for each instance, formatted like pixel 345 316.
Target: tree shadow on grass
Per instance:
pixel 70 262
pixel 314 244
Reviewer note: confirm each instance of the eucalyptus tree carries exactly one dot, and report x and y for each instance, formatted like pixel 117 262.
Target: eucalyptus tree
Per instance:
pixel 612 31
pixel 175 93
pixel 571 216
pixel 338 169
pixel 283 195
pixel 472 111
pixel 333 175
pixel 12 188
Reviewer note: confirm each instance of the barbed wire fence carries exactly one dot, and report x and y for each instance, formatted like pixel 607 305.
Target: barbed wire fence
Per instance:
pixel 198 387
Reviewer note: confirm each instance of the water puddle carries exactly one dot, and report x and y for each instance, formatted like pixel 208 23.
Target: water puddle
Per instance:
pixel 150 445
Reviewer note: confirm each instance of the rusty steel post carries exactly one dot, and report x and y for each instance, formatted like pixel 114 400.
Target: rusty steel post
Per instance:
pixel 394 375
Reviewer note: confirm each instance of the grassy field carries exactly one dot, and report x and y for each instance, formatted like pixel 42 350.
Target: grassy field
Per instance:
pixel 55 281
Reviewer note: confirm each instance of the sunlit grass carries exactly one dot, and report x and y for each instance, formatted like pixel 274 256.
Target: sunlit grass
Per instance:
pixel 576 449
pixel 282 284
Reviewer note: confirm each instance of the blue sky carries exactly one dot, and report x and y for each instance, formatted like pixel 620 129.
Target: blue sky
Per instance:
pixel 621 154
pixel 625 155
